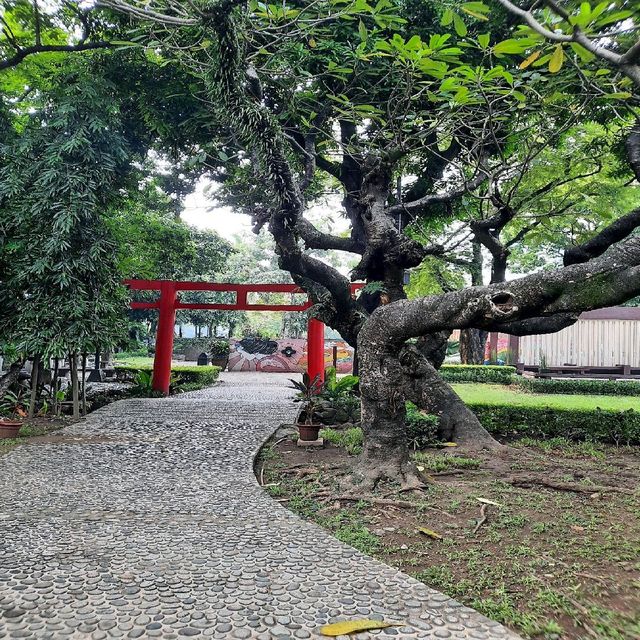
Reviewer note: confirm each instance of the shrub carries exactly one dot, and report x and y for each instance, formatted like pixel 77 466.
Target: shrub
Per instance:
pixel 182 374
pixel 485 373
pixel 422 428
pixel 218 347
pixel 594 425
pixel 581 387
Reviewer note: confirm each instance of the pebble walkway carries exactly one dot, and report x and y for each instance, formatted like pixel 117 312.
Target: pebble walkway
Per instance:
pixel 145 521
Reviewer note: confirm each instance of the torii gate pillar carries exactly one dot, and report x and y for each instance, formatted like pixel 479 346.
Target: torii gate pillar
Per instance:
pixel 315 349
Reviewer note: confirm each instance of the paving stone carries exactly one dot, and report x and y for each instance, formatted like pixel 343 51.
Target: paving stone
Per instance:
pixel 144 520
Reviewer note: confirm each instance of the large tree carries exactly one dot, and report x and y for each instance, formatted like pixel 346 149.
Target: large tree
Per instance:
pixel 406 119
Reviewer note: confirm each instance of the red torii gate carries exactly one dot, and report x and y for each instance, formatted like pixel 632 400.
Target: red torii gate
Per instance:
pixel 168 303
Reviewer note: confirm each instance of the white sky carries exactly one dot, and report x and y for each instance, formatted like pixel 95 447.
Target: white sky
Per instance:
pixel 200 212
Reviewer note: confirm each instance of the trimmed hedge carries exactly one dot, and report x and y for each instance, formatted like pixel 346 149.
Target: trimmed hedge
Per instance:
pixel 581 387
pixel 484 373
pixel 594 425
pixel 203 376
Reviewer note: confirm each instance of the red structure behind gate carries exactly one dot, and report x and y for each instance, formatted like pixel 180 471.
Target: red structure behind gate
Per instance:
pixel 168 303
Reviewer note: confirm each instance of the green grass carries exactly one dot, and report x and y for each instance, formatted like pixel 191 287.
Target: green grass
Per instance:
pixel 489 393
pixel 133 361
pixel 350 439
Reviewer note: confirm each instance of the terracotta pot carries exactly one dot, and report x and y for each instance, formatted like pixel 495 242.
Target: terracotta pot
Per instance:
pixel 9 428
pixel 309 432
pixel 221 362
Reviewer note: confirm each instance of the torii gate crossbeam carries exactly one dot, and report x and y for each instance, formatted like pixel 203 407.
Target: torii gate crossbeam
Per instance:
pixel 168 303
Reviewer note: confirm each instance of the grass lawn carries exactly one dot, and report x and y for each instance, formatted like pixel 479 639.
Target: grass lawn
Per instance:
pixel 133 361
pixel 503 394
pixel 550 564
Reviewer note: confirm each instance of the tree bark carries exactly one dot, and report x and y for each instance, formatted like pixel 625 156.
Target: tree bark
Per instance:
pixel 35 370
pixel 11 376
pixel 73 366
pixel 472 346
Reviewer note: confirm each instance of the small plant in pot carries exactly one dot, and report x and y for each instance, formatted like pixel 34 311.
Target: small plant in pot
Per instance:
pixel 308 392
pixel 10 425
pixel 219 350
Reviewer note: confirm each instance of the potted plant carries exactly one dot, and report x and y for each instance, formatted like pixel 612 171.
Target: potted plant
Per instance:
pixel 308 392
pixel 9 426
pixel 219 351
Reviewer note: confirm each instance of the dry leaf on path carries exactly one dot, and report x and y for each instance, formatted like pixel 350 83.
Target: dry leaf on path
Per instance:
pixel 353 626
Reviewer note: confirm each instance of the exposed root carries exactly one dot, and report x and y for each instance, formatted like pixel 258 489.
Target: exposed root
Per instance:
pixel 483 518
pixel 403 504
pixel 528 482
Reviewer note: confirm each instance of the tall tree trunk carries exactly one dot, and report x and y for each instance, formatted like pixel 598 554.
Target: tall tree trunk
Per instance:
pixel 54 386
pixel 11 376
pixel 73 366
pixel 473 344
pixel 84 384
pixel 35 371
pixel 473 341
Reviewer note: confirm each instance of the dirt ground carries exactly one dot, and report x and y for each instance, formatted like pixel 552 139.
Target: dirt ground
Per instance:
pixel 544 538
pixel 37 430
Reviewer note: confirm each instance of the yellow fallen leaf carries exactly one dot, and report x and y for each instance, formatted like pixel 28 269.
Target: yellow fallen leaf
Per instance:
pixel 485 501
pixel 419 468
pixel 449 444
pixel 428 532
pixel 353 626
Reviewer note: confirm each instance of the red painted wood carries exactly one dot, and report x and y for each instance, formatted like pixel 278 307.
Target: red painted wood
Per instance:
pixel 168 303
pixel 315 349
pixel 164 338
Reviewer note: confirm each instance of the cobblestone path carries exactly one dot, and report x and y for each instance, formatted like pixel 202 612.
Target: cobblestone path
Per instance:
pixel 145 521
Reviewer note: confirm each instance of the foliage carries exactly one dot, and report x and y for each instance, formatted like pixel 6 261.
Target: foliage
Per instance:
pixel 422 428
pixel 581 387
pixel 309 393
pixel 218 348
pixel 543 422
pixel 181 374
pixel 61 291
pixel 490 374
pixel 334 387
pixel 349 439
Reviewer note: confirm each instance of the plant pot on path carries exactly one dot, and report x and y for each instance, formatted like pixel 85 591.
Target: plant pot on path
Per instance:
pixel 9 428
pixel 220 361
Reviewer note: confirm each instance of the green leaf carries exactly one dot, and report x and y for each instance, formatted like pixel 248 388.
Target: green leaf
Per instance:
pixel 362 31
pixel 484 39
pixel 459 25
pixel 447 18
pixel 584 54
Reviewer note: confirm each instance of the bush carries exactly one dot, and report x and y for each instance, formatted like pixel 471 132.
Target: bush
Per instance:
pixel 484 373
pixel 581 387
pixel 593 425
pixel 422 428
pixel 182 374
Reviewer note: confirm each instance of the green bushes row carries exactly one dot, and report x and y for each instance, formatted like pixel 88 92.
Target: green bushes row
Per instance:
pixel 183 374
pixel 594 425
pixel 581 387
pixel 486 373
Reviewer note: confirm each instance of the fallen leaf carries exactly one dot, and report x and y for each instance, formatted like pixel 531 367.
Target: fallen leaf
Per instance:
pixel 428 532
pixel 353 626
pixel 449 444
pixel 576 528
pixel 419 468
pixel 485 501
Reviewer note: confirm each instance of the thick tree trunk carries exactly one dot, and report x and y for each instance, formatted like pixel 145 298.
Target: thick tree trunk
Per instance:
pixel 472 346
pixel 11 376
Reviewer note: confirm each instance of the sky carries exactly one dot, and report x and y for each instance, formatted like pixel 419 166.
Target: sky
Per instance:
pixel 200 211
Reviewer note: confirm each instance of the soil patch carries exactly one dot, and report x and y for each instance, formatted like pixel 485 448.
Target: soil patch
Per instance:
pixel 544 538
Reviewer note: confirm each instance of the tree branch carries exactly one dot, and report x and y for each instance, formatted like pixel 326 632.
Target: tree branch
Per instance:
pixel 597 245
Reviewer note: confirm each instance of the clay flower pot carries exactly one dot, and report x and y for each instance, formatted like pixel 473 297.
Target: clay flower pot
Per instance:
pixel 309 432
pixel 9 428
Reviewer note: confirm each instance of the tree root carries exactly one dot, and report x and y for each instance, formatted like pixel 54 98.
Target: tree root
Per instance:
pixel 404 504
pixel 528 482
